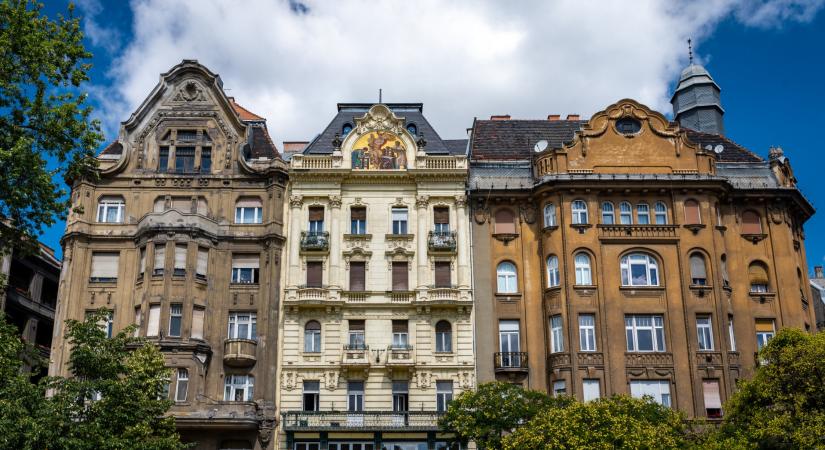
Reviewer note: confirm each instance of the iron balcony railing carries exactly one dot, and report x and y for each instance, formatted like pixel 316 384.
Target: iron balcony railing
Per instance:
pixel 314 240
pixel 441 240
pixel 511 361
pixel 360 420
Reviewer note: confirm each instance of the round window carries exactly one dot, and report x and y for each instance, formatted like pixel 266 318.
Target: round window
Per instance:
pixel 628 126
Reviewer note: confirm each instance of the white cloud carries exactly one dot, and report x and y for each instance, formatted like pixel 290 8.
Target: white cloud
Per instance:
pixel 461 58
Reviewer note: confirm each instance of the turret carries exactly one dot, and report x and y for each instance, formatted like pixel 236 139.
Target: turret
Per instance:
pixel 696 101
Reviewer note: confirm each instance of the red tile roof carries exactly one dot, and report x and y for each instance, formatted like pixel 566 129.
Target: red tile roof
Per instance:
pixel 243 113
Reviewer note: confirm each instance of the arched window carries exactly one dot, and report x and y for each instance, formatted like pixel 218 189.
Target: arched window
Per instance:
pixel 443 337
pixel 758 276
pixel 643 214
pixel 751 223
pixel 505 221
pixel 718 209
pixel 312 337
pixel 625 213
pixel 639 269
pixel 661 213
pixel 692 215
pixel 346 129
pixel 507 278
pixel 583 272
pixel 412 129
pixel 724 269
pixel 608 214
pixel 110 209
pixel 698 270
pixel 549 215
pixel 579 212
pixel 552 271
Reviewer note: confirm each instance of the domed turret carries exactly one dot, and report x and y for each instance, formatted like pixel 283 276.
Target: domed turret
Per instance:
pixel 696 101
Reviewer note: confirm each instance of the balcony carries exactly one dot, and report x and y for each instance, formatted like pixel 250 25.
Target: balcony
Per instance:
pixel 652 359
pixel 590 359
pixel 314 241
pixel 309 421
pixel 400 356
pixel 559 360
pixel 239 352
pixel 510 361
pixel 356 356
pixel 663 233
pixel 441 241
pixel 443 296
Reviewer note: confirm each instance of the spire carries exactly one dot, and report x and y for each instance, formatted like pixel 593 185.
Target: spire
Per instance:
pixel 696 101
pixel 690 52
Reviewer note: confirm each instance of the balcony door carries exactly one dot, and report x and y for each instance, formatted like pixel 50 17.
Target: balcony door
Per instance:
pixel 509 342
pixel 355 403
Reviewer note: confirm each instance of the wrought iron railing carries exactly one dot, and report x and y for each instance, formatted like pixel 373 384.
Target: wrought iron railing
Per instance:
pixel 314 240
pixel 511 360
pixel 441 240
pixel 360 420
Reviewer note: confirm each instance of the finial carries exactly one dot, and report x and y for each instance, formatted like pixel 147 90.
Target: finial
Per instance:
pixel 379 95
pixel 690 51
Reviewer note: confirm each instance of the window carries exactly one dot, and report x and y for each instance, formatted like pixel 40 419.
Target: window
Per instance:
pixel 506 278
pixel 692 215
pixel 591 389
pixel 505 221
pixel 316 445
pixel 142 269
pixel 587 332
pixel 625 213
pixel 355 396
pixel 243 325
pixel 724 269
pixel 549 215
pixel 138 320
pixel 184 159
pixel 175 319
pixel 579 212
pixel 182 385
pixel 704 331
pixel 713 401
pixel 659 390
pixel 153 326
pixel 312 337
pixel 751 223
pixel 639 269
pixel 556 334
pixel 107 324
pixel 163 159
pixel 552 271
pixel 399 220
pixel 160 259
pixel 509 343
pixel 245 269
pixel 758 275
pixel 104 267
pixel 443 275
pixel 357 276
pixel 356 335
pixel 180 260
pixel 202 264
pixel 443 337
pixel 443 394
pixel 358 220
pixel 698 273
pixel 238 388
pixel 643 214
pixel 608 214
pixel 582 263
pixel 645 333
pixel 660 211
pixel 110 210
pixel 731 334
pixel 441 219
pixel 198 314
pixel 719 221
pixel 206 160
pixel 346 129
pixel 316 219
pixel 412 129
pixel 400 276
pixel 559 388
pixel 765 331
pixel 400 395
pixel 400 334
pixel 315 274
pixel 248 210
pixel 312 395
pixel 628 126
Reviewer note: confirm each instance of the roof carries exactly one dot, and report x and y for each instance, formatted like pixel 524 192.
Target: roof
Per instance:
pixel 515 139
pixel 694 74
pixel 748 175
pixel 732 152
pixel 501 175
pixel 113 149
pixel 259 144
pixel 347 112
pixel 245 114
pixel 456 146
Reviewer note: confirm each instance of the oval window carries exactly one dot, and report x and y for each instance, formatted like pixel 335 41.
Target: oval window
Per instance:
pixel 628 126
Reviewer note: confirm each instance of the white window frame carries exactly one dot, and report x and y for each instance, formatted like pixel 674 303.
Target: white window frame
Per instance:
pixel 608 213
pixel 656 330
pixel 643 214
pixel 659 390
pixel 315 390
pixel 625 213
pixel 444 339
pixel 660 212
pixel 312 339
pixel 556 334
pixel 181 385
pixel 704 332
pixel 587 332
pixel 506 278
pixel 400 219
pixel 549 215
pixel 579 211
pixel 559 388
pixel 234 384
pixel 257 213
pixel 443 395
pixel 584 272
pixel 242 318
pixel 175 312
pixel 240 271
pixel 106 205
pixel 553 279
pixel 650 264
pixel 763 337
pixel 731 334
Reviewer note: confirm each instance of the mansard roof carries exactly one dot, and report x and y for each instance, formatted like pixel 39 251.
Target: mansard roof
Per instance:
pixel 259 144
pixel 515 139
pixel 732 152
pixel 245 114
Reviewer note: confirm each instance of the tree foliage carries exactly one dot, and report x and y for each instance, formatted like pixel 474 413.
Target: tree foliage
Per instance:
pixel 45 125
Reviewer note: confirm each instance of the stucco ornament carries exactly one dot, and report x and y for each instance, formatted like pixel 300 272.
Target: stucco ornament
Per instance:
pixel 331 380
pixel 289 380
pixel 189 92
pixel 423 380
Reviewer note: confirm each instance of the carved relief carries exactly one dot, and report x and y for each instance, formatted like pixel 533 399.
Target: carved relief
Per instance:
pixel 289 380
pixel 331 380
pixel 528 212
pixel 423 379
pixel 190 92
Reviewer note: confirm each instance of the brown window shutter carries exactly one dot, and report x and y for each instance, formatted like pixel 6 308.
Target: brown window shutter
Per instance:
pixel 399 276
pixel 441 215
pixel 751 223
pixel 356 325
pixel 314 273
pixel 692 216
pixel 357 274
pixel 358 213
pixel 442 274
pixel 505 221
pixel 316 213
pixel 400 326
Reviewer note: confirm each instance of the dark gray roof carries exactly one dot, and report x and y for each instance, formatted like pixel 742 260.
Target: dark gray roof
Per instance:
pixel 501 175
pixel 515 139
pixel 347 112
pixel 456 146
pixel 748 175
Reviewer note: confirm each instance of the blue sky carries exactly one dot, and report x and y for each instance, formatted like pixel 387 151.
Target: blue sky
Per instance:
pixel 467 59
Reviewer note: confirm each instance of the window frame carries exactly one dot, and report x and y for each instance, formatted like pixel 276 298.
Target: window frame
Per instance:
pixel 556 334
pixel 243 383
pixel 399 225
pixel 553 278
pixel 583 265
pixel 651 268
pixel 608 213
pixel 643 213
pixel 184 381
pixel 312 337
pixel 504 278
pixel 578 209
pixel 443 395
pixel 660 212
pixel 587 333
pixel 175 320
pixel 444 339
pixel 107 203
pixel 550 215
pixel 625 213
pixel 657 333
pixel 234 325
pixel 704 332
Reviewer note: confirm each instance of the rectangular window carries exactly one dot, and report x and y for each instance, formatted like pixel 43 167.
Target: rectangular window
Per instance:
pixel 245 269
pixel 443 274
pixel 591 389
pixel 559 388
pixel 357 275
pixel 138 320
pixel 198 314
pixel 556 334
pixel 248 210
pixel 765 331
pixel 110 210
pixel 180 260
pixel 315 273
pixel 312 337
pixel 509 343
pixel 400 395
pixel 355 396
pixel 400 334
pixel 441 219
pixel 153 326
pixel 731 334
pixel 399 221
pixel 356 335
pixel 713 401
pixel 142 263
pixel 312 395
pixel 243 325
pixel 238 388
pixel 399 276
pixel 443 394
pixel 587 332
pixel 184 159
pixel 358 220
pixel 704 331
pixel 316 219
pixel 202 264
pixel 206 160
pixel 182 385
pixel 163 159
pixel 645 333
pixel 175 319
pixel 659 390
pixel 104 267
pixel 160 259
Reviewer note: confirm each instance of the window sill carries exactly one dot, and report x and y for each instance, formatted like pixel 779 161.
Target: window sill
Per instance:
pixel 694 227
pixel 584 286
pixel 762 297
pixel 700 289
pixel 721 228
pixel 755 238
pixel 550 228
pixel 360 237
pixel 508 297
pixel 505 237
pixel 103 281
pixel 244 285
pixel 581 227
pixel 552 289
pixel 397 237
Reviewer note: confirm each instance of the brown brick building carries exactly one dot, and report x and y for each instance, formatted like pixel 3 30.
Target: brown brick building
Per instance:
pixel 630 254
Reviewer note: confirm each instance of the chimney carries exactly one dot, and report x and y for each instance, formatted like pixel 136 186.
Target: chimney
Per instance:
pixel 572 117
pixel 501 117
pixel 554 117
pixel 818 272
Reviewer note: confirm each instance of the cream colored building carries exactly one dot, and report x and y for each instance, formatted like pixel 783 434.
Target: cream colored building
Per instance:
pixel 376 330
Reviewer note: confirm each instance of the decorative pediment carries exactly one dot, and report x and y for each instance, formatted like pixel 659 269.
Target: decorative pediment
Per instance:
pixel 190 91
pixel 379 118
pixel 379 141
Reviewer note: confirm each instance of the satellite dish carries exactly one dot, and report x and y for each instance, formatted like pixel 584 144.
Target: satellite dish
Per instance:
pixel 708 147
pixel 719 148
pixel 540 146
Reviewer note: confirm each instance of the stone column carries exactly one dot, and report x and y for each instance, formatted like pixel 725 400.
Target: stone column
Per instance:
pixel 462 238
pixel 294 233
pixel 334 242
pixel 422 218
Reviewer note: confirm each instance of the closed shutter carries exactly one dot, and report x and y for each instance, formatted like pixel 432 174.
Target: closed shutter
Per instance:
pixel 758 274
pixel 400 326
pixel 180 256
pixel 442 274
pixel 591 389
pixel 751 223
pixel 697 266
pixel 314 273
pixel 203 261
pixel 711 391
pixel 357 274
pixel 153 326
pixel 358 213
pixel 104 265
pixel 160 256
pixel 441 215
pixel 356 325
pixel 692 216
pixel 197 323
pixel 505 222
pixel 764 325
pixel 399 276
pixel 316 214
pixel 248 202
pixel 246 261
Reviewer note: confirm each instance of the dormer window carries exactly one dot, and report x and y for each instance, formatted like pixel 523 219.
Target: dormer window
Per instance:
pixel 628 126
pixel 412 129
pixel 346 129
pixel 187 151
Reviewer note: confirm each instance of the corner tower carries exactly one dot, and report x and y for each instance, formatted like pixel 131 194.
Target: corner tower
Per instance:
pixel 696 101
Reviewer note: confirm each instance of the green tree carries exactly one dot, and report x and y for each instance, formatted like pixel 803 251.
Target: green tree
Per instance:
pixel 45 125
pixel 486 414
